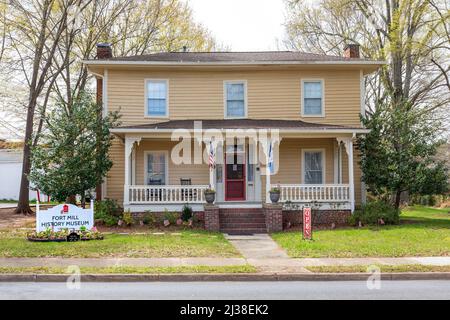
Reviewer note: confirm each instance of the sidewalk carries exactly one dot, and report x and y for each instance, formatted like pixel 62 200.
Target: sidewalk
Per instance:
pixel 275 264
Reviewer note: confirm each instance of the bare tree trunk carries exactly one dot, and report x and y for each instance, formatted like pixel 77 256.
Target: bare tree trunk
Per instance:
pixel 23 207
pixel 398 194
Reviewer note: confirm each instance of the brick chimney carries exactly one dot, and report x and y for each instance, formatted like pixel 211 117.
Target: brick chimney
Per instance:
pixel 351 50
pixel 104 51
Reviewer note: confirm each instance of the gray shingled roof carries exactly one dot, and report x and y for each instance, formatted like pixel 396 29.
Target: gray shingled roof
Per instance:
pixel 259 56
pixel 238 124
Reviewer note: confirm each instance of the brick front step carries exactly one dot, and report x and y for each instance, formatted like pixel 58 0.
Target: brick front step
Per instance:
pixel 242 219
pixel 241 215
pixel 244 231
pixel 243 225
pixel 240 210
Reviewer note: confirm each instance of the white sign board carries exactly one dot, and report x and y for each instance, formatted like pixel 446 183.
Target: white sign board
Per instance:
pixel 64 216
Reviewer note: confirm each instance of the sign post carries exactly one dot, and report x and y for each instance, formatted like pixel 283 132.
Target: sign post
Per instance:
pixel 307 223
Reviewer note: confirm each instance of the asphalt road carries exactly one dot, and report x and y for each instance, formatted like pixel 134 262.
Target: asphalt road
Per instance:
pixel 436 289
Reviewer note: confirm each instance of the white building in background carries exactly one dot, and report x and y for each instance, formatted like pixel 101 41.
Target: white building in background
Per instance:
pixel 10 172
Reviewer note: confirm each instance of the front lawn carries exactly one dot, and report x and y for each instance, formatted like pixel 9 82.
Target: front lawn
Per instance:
pixel 186 243
pixel 423 231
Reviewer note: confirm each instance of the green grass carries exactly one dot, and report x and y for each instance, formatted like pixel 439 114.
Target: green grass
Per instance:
pixel 130 270
pixel 423 232
pixel 180 244
pixel 33 201
pixel 383 268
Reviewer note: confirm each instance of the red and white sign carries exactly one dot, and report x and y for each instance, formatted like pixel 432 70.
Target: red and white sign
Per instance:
pixel 64 216
pixel 307 223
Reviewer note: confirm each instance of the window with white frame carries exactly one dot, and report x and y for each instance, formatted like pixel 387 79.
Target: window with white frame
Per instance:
pixel 312 98
pixel 313 167
pixel 156 98
pixel 156 171
pixel 235 103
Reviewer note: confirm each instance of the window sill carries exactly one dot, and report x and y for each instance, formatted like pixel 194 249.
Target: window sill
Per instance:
pixel 155 117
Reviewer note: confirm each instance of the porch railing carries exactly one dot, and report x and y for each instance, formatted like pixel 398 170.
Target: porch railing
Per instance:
pixel 166 194
pixel 319 193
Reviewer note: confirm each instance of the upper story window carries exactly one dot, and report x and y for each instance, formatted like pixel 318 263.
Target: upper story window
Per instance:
pixel 313 166
pixel 157 98
pixel 312 95
pixel 235 99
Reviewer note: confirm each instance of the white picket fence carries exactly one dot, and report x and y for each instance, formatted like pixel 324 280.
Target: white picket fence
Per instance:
pixel 165 194
pixel 309 193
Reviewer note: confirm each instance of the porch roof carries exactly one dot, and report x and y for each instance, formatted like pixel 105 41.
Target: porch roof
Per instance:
pixel 282 125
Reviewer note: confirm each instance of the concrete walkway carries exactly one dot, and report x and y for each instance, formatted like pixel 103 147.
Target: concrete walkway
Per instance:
pixel 262 252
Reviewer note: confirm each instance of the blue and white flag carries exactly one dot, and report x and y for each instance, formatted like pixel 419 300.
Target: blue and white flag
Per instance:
pixel 271 164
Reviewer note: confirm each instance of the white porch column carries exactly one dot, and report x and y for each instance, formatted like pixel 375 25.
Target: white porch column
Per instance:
pixel 348 143
pixel 129 145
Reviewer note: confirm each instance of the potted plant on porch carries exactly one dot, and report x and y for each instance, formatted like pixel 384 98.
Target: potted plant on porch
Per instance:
pixel 210 195
pixel 275 194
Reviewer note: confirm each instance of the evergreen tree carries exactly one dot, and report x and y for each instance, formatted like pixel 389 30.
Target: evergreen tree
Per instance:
pixel 72 157
pixel 398 154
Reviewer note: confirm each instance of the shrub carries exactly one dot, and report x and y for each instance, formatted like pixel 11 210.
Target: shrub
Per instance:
pixel 171 216
pixel 127 218
pixel 373 211
pixel 186 213
pixel 108 211
pixel 149 218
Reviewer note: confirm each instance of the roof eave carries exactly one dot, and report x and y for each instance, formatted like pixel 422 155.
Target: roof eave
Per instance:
pixel 226 63
pixel 283 130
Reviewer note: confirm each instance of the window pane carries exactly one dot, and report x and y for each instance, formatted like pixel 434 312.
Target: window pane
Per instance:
pixel 156 169
pixel 235 100
pixel 313 167
pixel 235 108
pixel 313 106
pixel 157 98
pixel 312 100
pixel 235 91
pixel 157 107
pixel 313 90
pixel 157 90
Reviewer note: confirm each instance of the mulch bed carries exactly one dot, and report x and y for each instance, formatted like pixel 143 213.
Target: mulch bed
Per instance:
pixel 8 219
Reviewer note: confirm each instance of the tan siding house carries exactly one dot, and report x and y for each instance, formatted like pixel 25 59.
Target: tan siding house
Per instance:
pixel 297 112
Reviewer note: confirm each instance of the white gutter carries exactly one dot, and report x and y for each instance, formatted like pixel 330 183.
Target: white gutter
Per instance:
pixel 226 63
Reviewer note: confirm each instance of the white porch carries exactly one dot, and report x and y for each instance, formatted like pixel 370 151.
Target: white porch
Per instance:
pixel 140 197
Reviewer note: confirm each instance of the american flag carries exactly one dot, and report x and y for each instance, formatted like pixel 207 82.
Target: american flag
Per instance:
pixel 212 159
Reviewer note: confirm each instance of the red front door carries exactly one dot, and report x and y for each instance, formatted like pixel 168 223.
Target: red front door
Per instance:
pixel 235 173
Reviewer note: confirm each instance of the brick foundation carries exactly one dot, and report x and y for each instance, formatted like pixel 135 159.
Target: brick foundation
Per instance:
pixel 274 217
pixel 339 217
pixel 211 217
pixel 198 216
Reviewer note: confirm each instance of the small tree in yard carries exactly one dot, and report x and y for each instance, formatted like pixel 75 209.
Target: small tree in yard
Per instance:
pixel 399 152
pixel 73 154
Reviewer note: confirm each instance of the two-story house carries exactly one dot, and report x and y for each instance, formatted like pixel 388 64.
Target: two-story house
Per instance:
pixel 287 120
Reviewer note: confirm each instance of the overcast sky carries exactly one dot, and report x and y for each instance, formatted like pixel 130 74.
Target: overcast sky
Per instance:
pixel 242 25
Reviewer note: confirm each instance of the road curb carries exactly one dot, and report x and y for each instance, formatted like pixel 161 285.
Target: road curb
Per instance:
pixel 224 277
